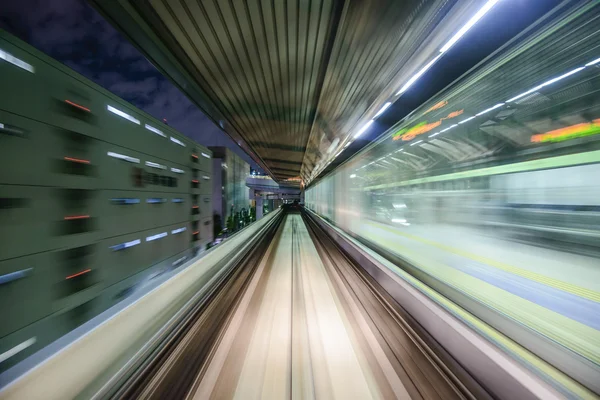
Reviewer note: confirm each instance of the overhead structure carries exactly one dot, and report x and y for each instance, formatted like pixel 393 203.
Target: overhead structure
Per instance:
pixel 292 82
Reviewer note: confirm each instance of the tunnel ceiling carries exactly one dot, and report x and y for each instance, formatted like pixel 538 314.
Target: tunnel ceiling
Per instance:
pixel 287 80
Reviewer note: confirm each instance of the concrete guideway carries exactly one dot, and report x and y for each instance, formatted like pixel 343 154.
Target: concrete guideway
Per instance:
pixel 305 329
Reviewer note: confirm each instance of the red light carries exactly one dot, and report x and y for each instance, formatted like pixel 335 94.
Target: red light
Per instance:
pixel 78 106
pixel 72 217
pixel 194 206
pixel 195 233
pixel 78 274
pixel 195 155
pixel 194 180
pixel 77 160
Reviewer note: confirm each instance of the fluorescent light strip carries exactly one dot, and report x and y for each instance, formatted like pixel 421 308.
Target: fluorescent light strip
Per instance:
pixel 448 128
pixel 482 11
pixel 1 125
pixel 417 142
pixel 551 81
pixel 347 144
pixel 338 153
pixel 155 237
pixel 489 109
pixel 435 134
pixel 179 230
pixel 205 155
pixel 412 80
pixel 596 61
pixel 155 165
pixel 125 245
pixel 13 276
pixel 179 261
pixel 352 176
pixel 177 170
pixel 466 120
pixel 15 61
pixel 177 200
pixel 123 114
pixel 382 109
pixel 155 130
pixel 205 177
pixel 123 157
pixel 155 200
pixel 363 129
pixel 179 142
pixel 17 349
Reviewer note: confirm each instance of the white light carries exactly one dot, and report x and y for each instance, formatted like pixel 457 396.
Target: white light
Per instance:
pixel 332 145
pixel 398 220
pixel 489 109
pixel 17 349
pixel 401 205
pixel 178 261
pixel 418 75
pixel 126 245
pixel 176 231
pixel 205 155
pixel 352 176
pixel 466 120
pixel 157 236
pixel 551 81
pixel 487 7
pixel 179 142
pixel 338 153
pixel 448 128
pixel 363 129
pixel 347 144
pixel 417 142
pixel 123 157
pixel 596 61
pixel 177 170
pixel 1 125
pixel 15 61
pixel 382 109
pixel 153 129
pixel 435 134
pixel 155 165
pixel 122 114
pixel 205 177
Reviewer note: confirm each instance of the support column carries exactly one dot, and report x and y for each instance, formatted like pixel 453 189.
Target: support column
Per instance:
pixel 259 207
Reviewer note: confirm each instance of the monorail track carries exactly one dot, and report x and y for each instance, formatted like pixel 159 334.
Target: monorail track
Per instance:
pixel 296 318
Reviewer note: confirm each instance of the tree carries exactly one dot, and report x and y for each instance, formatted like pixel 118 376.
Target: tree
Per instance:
pixel 217 225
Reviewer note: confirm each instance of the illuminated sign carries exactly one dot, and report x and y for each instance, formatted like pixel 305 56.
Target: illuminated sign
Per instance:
pixel 407 134
pixel 437 106
pixel 570 132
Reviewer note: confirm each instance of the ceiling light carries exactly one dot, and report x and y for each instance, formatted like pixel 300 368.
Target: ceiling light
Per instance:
pixel 551 81
pixel 417 142
pixel 347 144
pixel 412 80
pixel 363 129
pixel 153 129
pixel 596 61
pixel 489 109
pixel 466 120
pixel 487 7
pixel 382 109
pixel 352 176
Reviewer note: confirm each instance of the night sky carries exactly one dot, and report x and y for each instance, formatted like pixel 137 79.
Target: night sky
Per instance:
pixel 73 33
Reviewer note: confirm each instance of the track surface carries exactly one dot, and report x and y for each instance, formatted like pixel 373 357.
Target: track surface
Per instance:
pixel 309 324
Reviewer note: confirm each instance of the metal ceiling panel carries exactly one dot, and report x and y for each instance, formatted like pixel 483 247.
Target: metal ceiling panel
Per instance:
pixel 286 78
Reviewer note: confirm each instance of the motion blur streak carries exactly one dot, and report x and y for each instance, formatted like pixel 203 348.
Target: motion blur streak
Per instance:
pixel 503 210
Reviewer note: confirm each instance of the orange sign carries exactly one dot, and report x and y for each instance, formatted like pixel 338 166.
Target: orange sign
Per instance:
pixel 407 134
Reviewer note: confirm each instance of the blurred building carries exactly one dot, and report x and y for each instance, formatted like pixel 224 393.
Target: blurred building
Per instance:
pixel 230 193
